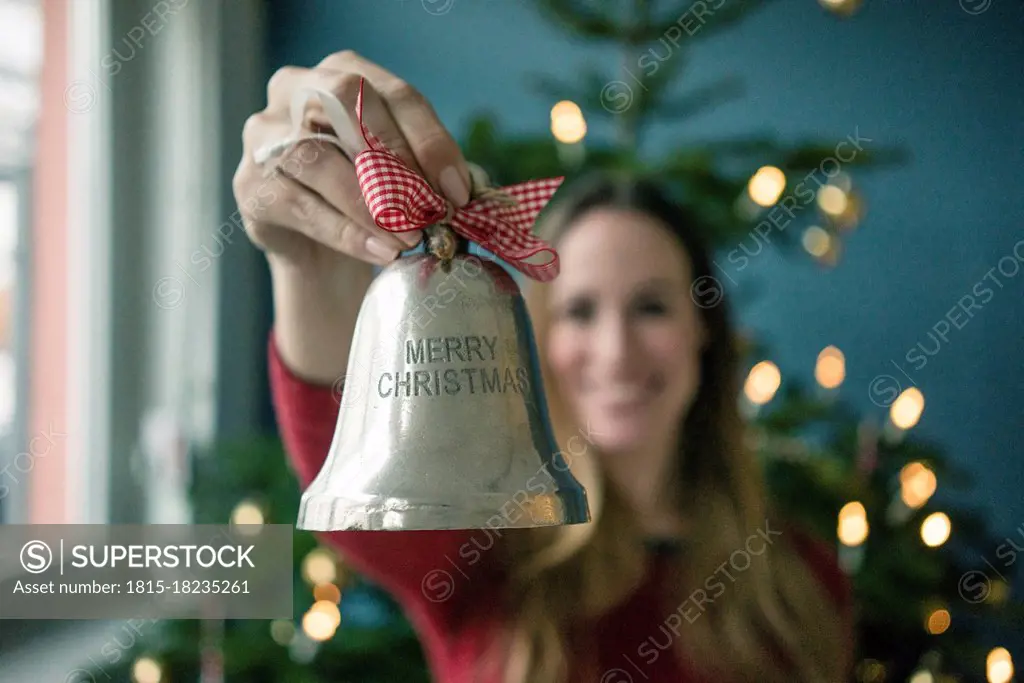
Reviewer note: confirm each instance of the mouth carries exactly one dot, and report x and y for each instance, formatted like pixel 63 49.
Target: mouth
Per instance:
pixel 625 397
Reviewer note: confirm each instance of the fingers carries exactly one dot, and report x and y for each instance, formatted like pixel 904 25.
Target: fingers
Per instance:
pixel 287 80
pixel 394 111
pixel 304 211
pixel 324 170
pixel 430 143
pixel 353 62
pixel 312 192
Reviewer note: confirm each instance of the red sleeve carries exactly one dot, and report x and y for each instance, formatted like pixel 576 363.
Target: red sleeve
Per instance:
pixel 824 564
pixel 429 572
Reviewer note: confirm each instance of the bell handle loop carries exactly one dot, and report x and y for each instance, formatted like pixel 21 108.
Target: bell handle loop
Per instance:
pixel 481 188
pixel 443 243
pixel 495 194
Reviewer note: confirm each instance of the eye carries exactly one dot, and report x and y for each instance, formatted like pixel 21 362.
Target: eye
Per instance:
pixel 650 305
pixel 579 310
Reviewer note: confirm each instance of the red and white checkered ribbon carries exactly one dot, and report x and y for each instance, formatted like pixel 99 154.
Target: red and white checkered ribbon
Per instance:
pixel 400 200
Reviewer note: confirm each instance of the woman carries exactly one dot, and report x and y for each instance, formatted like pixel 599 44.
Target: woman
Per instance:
pixel 683 575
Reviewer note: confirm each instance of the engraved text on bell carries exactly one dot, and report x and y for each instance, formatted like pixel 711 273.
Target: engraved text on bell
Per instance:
pixel 483 370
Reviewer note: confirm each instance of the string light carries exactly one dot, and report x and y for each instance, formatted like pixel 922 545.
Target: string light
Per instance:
pixel 282 631
pixel 842 8
pixel 907 408
pixel 998 592
pixel 247 518
pixel 146 670
pixel 999 666
pixel 935 529
pixel 247 512
pixel 567 122
pixel 319 567
pixel 852 529
pixel 870 671
pixel 832 200
pixel 318 625
pixel 843 181
pixel 938 621
pixel 330 608
pixel 816 241
pixel 831 256
pixel 917 484
pixel 762 382
pixel 766 185
pixel 327 591
pixel 830 370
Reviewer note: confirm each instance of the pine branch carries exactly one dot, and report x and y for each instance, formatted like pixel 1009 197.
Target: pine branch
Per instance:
pixel 701 99
pixel 687 21
pixel 589 22
pixel 808 156
pixel 727 15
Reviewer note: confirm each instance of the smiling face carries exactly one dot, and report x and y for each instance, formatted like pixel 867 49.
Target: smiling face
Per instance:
pixel 625 337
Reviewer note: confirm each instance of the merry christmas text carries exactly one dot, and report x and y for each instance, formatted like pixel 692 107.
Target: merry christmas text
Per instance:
pixel 451 381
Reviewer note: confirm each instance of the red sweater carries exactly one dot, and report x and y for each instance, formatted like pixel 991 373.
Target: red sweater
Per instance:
pixel 447 588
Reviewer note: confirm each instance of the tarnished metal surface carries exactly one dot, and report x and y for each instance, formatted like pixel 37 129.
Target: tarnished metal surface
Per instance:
pixel 442 422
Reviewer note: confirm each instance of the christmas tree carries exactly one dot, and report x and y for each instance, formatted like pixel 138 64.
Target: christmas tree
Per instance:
pixel 860 478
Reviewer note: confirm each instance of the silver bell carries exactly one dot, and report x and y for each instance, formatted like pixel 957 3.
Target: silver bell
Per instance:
pixel 443 423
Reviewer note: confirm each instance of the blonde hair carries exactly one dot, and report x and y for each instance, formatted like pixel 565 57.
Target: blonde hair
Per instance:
pixel 774 622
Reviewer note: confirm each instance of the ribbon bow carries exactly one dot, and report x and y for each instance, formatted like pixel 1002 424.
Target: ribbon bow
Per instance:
pixel 400 200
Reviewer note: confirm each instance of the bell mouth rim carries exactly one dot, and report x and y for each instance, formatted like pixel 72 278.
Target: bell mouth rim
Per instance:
pixel 330 512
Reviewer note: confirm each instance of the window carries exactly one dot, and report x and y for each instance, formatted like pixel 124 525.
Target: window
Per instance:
pixel 21 46
pixel 9 227
pixel 20 55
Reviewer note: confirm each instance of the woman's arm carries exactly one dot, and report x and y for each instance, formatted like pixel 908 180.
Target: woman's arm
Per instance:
pixel 315 310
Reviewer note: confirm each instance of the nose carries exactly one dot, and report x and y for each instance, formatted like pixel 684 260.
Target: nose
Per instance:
pixel 615 350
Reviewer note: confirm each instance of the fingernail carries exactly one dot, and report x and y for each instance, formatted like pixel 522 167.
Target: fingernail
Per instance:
pixel 454 186
pixel 411 238
pixel 380 249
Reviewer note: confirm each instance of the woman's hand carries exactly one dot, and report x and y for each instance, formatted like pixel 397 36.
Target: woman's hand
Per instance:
pixel 314 201
pixel 306 212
